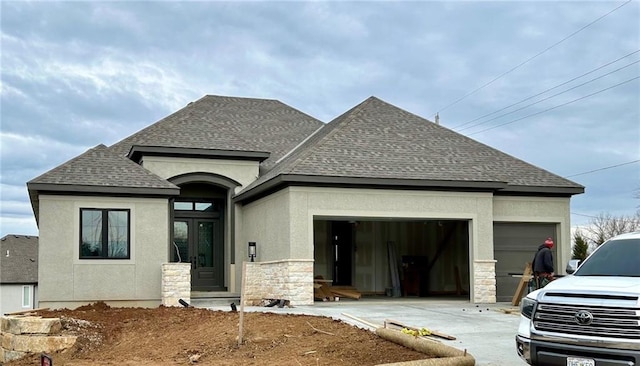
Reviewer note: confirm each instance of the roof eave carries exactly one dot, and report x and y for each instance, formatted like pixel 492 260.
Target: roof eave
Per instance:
pixel 75 188
pixel 360 182
pixel 137 152
pixel 35 189
pixel 569 191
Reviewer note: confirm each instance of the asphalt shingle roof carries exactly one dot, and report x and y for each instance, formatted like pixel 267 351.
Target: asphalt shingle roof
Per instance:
pixel 378 140
pixel 228 123
pixel 101 167
pixel 373 141
pixel 19 259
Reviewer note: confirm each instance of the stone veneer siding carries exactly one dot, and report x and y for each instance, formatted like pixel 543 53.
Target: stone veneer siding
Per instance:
pixel 176 283
pixel 289 279
pixel 484 283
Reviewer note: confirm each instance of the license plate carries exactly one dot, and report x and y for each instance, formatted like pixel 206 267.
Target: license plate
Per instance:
pixel 574 361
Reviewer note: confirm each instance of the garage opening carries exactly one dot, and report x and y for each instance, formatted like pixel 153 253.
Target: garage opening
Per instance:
pixel 394 258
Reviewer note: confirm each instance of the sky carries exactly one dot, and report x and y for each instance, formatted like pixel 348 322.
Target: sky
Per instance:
pixel 555 84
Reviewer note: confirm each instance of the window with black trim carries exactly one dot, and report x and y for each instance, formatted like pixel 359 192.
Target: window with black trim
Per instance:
pixel 104 233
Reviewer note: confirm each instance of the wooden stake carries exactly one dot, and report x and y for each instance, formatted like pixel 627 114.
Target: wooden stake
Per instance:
pixel 374 326
pixel 242 299
pixel 319 330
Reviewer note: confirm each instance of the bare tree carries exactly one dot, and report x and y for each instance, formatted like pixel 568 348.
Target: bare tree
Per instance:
pixel 605 226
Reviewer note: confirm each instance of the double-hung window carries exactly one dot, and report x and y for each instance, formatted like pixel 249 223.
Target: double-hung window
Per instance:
pixel 104 233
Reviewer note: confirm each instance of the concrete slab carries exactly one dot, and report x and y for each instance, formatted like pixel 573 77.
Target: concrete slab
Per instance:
pixel 485 331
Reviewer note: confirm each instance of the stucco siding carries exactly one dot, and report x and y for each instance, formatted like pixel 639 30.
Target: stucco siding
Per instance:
pixel 117 287
pixel 268 222
pixel 244 172
pixel 285 220
pixel 64 278
pixel 301 234
pixel 371 203
pixel 539 210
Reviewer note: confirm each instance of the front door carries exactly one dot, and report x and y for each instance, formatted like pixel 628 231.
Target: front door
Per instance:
pixel 199 242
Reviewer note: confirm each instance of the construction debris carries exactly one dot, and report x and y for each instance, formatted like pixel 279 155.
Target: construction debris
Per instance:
pixel 323 290
pixel 273 302
pixel 433 332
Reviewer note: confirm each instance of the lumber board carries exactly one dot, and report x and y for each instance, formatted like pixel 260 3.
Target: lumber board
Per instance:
pixel 346 293
pixel 326 291
pixel 393 269
pixel 27 311
pixel 374 326
pixel 433 332
pixel 318 294
pixel 526 276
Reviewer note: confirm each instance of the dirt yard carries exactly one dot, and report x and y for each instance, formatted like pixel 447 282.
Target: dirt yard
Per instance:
pixel 185 336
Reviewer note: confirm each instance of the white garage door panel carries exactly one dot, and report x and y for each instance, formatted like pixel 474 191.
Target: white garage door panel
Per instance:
pixel 515 244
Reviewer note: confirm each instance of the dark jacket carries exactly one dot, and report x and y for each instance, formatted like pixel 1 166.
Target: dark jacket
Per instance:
pixel 543 261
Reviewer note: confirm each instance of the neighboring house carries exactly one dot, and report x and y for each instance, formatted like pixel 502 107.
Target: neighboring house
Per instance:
pixel 337 200
pixel 18 273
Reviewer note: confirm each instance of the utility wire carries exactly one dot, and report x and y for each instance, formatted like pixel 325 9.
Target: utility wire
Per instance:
pixel 550 89
pixel 605 168
pixel 558 106
pixel 529 59
pixel 549 97
pixel 593 217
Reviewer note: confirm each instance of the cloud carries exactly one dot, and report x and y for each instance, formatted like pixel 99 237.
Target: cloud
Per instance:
pixel 76 74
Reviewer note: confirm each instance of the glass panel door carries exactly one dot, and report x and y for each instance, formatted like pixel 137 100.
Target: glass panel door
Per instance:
pixel 181 241
pixel 205 244
pixel 199 242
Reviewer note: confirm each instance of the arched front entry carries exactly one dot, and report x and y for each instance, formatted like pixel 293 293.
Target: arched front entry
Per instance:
pixel 199 229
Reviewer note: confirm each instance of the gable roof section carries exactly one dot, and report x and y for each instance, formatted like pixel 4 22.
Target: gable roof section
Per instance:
pixel 228 124
pixel 378 144
pixel 100 171
pixel 19 259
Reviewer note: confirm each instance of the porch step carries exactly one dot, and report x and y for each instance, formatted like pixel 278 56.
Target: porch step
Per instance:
pixel 210 299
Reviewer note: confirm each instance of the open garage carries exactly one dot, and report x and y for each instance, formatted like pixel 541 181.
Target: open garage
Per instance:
pixel 394 257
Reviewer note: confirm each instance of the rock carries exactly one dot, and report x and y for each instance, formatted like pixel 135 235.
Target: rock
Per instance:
pixel 31 325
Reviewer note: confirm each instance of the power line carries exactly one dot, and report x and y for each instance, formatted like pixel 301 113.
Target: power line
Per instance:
pixel 529 59
pixel 558 106
pixel 593 217
pixel 605 168
pixel 547 90
pixel 549 97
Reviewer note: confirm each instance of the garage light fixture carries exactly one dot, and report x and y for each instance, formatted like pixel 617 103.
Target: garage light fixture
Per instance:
pixel 252 250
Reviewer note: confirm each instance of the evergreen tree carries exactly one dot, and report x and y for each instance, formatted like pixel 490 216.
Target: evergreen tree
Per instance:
pixel 580 246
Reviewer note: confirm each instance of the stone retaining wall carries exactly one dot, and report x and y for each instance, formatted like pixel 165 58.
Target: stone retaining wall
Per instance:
pixel 289 279
pixel 176 283
pixel 24 335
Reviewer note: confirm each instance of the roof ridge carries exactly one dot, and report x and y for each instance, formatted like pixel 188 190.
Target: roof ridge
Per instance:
pixel 348 117
pixel 235 97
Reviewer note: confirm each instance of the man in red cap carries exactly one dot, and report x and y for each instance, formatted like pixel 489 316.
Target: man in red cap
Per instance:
pixel 543 264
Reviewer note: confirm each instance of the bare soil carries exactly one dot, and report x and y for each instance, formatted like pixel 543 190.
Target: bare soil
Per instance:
pixel 194 336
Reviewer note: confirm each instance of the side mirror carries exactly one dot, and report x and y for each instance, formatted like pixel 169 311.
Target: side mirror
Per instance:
pixel 573 265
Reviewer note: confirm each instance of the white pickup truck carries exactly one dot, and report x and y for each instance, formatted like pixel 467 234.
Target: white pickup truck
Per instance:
pixel 589 318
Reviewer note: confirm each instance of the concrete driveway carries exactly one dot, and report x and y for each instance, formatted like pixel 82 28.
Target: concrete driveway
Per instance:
pixel 485 331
